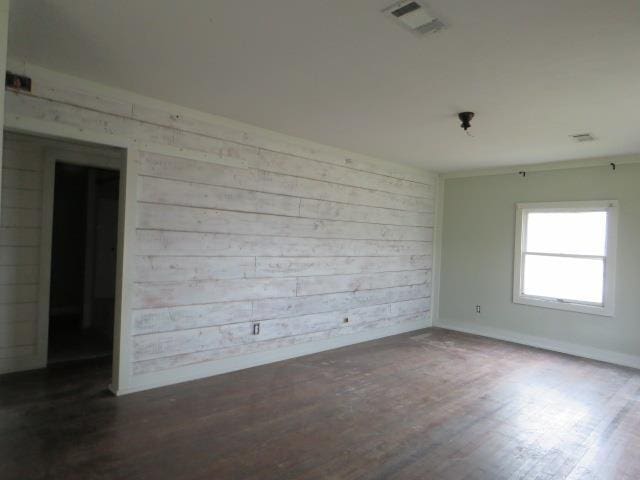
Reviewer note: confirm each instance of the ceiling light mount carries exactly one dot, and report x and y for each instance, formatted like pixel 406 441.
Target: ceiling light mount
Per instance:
pixel 465 118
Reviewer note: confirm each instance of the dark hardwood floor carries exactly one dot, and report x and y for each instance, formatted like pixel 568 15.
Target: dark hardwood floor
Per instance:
pixel 428 405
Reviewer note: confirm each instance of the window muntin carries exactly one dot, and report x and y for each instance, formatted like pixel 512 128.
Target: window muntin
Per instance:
pixel 565 256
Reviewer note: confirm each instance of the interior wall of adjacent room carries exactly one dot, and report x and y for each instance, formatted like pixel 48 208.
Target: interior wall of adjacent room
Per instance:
pixel 477 260
pixel 235 225
pixel 20 228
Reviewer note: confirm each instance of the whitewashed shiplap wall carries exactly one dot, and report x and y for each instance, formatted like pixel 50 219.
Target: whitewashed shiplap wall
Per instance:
pixel 20 222
pixel 256 248
pixel 236 225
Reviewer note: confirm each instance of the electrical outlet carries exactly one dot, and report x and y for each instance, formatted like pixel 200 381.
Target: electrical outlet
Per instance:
pixel 478 309
pixel 256 329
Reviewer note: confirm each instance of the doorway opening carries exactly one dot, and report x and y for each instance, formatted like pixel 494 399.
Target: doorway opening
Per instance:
pixel 84 239
pixel 62 261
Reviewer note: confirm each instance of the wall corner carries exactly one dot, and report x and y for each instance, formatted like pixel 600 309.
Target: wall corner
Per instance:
pixel 437 250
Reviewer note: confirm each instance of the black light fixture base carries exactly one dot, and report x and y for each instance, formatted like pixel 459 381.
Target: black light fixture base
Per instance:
pixel 465 118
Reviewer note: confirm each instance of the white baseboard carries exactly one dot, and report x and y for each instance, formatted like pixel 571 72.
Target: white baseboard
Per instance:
pixel 208 369
pixel 575 349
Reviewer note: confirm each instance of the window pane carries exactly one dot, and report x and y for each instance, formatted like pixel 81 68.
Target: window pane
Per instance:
pixel 576 279
pixel 578 233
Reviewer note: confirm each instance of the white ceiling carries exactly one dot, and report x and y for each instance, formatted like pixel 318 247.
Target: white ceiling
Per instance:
pixel 340 73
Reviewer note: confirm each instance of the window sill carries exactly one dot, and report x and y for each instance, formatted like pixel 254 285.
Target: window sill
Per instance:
pixel 566 306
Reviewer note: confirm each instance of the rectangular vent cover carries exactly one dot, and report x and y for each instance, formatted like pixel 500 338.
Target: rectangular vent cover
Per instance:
pixel 415 17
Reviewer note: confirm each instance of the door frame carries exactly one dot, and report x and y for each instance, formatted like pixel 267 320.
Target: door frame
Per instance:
pixel 73 155
pixel 121 376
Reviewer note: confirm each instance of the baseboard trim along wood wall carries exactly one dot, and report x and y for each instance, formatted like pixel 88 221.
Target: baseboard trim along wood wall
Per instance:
pixel 231 364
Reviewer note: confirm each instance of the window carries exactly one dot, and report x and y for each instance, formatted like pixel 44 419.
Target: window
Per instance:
pixel 565 255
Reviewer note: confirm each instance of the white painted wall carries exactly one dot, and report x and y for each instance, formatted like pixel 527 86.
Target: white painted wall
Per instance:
pixel 477 261
pixel 228 225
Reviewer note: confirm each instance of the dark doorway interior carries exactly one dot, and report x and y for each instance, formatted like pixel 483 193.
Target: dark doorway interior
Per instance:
pixel 83 263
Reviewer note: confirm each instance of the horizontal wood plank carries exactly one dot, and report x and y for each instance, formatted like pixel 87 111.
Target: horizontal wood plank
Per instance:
pixel 19 255
pixel 158 242
pixel 18 312
pixel 21 156
pixel 191 219
pixel 19 237
pixel 267 308
pixel 15 274
pixel 183 269
pixel 21 198
pixel 358 213
pixel 152 295
pixel 20 217
pixel 16 334
pixel 172 192
pixel 352 283
pixel 20 351
pixel 308 266
pixel 16 293
pixel 191 316
pixel 301 167
pixel 24 179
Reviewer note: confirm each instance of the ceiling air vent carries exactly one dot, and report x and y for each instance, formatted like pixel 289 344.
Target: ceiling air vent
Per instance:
pixel 414 16
pixel 583 137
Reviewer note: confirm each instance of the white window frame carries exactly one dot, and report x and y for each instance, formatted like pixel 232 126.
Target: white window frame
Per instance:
pixel 607 308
